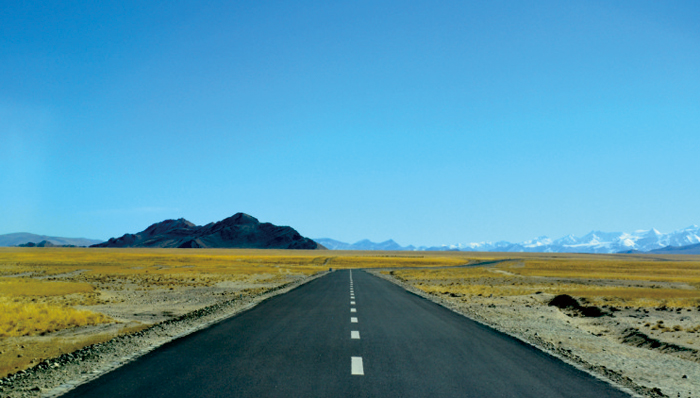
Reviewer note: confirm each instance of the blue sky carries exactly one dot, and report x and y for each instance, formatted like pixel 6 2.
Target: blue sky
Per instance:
pixel 427 123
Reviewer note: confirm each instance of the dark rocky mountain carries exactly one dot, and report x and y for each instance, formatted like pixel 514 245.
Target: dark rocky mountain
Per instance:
pixel 237 231
pixel 20 238
pixel 43 243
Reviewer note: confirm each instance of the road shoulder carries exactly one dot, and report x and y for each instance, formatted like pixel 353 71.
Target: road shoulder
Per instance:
pixel 531 337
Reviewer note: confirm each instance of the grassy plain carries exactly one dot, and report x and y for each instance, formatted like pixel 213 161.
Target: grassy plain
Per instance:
pixel 45 293
pixel 603 280
pixel 55 300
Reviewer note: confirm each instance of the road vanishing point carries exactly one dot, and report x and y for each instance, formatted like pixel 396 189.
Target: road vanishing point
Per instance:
pixel 347 334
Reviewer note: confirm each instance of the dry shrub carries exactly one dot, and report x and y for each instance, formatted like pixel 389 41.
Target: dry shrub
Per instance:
pixel 169 268
pixel 27 318
pixel 13 287
pixel 449 274
pixel 622 268
pixel 17 354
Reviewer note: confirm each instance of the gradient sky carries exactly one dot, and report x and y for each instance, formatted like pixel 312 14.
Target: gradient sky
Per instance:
pixel 426 122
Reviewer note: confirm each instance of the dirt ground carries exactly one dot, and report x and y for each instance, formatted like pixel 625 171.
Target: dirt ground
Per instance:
pixel 650 351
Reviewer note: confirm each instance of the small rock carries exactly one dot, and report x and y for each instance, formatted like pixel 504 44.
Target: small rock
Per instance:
pixel 684 377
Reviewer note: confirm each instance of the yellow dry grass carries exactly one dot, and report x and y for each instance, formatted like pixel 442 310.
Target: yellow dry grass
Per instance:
pixel 448 274
pixel 21 353
pixel 394 261
pixel 619 268
pixel 26 307
pixel 47 283
pixel 73 276
pixel 164 267
pixel 28 318
pixel 147 261
pixel 12 287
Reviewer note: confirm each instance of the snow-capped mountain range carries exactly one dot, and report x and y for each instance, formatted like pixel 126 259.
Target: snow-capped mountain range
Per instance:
pixel 593 242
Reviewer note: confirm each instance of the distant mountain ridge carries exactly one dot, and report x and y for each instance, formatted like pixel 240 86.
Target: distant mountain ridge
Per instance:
pixel 365 244
pixel 20 238
pixel 594 242
pixel 238 231
pixel 689 249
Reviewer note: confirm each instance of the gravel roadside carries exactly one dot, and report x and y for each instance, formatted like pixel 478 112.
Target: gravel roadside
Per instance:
pixel 640 371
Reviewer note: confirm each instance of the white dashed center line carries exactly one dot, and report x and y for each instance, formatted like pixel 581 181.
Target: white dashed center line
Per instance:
pixel 356 368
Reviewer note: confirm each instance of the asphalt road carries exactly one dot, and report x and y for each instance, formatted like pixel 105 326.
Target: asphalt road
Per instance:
pixel 305 344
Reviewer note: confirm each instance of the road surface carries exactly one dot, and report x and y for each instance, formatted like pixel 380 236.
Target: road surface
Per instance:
pixel 347 334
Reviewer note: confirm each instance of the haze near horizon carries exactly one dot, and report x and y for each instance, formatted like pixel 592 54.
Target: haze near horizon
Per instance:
pixel 425 123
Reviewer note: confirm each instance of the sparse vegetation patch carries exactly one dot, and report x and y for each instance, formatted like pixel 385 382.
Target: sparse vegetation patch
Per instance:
pixel 27 318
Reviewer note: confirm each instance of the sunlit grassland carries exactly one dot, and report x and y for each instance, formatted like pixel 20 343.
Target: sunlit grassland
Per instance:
pixel 612 280
pixel 74 276
pixel 230 262
pixel 23 352
pixel 347 261
pixel 47 289
pixel 619 268
pixel 28 318
pixel 26 307
pixel 157 268
pixel 42 288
